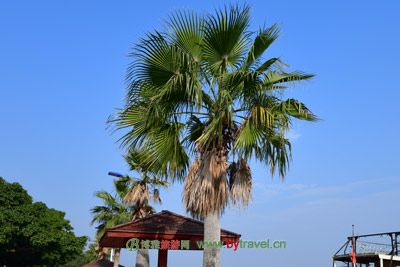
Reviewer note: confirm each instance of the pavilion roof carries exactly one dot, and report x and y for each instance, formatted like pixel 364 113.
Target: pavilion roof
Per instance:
pixel 164 225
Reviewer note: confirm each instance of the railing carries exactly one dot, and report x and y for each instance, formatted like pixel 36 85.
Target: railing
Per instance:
pixel 382 243
pixel 364 247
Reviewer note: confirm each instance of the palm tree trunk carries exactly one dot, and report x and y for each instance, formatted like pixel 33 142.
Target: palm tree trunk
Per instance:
pixel 116 257
pixel 142 258
pixel 212 232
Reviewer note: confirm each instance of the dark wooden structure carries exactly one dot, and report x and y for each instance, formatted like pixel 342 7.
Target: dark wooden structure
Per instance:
pixel 164 225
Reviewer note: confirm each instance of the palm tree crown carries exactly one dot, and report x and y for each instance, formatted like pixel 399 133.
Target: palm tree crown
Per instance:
pixel 131 200
pixel 139 192
pixel 112 212
pixel 202 90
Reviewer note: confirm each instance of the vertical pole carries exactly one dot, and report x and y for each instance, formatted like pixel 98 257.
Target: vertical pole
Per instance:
pixel 112 255
pixel 393 251
pixel 162 257
pixel 354 244
pixel 393 238
pixel 381 262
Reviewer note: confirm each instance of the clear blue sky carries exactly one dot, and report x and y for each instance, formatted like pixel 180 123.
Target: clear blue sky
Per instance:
pixel 62 67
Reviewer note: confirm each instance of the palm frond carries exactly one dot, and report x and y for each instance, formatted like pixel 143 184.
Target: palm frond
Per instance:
pixel 265 144
pixel 272 62
pixel 167 68
pixel 206 189
pixel 122 186
pixel 296 109
pixel 240 182
pixel 135 120
pixel 225 38
pixel 261 43
pixel 111 213
pixel 276 77
pixel 139 159
pixel 279 151
pixel 107 198
pixel 187 32
pixel 195 129
pixel 138 195
pixel 164 146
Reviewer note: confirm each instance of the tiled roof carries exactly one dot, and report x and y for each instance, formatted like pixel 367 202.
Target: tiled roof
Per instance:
pixel 164 225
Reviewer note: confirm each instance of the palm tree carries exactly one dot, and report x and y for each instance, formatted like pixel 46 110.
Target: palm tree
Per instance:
pixel 131 201
pixel 139 192
pixel 113 212
pixel 203 101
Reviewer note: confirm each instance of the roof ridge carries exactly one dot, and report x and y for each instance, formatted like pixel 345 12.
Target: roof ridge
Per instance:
pixel 194 220
pixel 134 221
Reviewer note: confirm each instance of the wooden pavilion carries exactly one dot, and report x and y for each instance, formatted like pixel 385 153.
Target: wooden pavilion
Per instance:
pixel 163 227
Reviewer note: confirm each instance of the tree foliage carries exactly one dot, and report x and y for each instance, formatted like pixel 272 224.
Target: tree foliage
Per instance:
pixel 31 234
pixel 112 212
pixel 204 88
pixel 89 255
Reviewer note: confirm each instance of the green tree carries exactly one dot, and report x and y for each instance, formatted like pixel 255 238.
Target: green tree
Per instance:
pixel 31 234
pixel 203 101
pixel 89 255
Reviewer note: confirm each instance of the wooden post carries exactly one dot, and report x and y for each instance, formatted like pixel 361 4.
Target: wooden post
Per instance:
pixel 162 257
